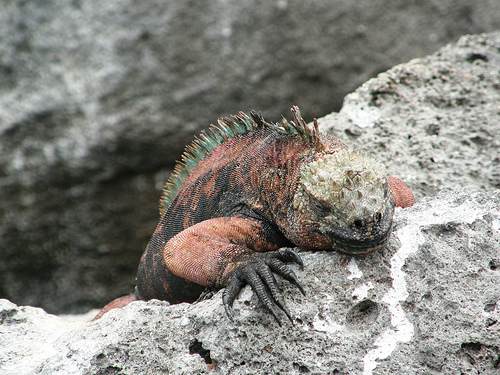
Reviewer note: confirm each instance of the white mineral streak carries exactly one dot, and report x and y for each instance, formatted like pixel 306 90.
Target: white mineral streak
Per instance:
pixel 495 224
pixel 353 268
pixel 325 323
pixel 361 292
pixel 410 236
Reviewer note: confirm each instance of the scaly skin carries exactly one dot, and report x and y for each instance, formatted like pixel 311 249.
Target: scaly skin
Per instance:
pixel 234 214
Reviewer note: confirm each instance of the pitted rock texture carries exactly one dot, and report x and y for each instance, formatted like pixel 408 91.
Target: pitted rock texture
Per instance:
pixel 97 99
pixel 429 303
pixel 434 120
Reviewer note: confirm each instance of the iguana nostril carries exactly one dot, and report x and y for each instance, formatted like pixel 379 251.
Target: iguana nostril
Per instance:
pixel 358 224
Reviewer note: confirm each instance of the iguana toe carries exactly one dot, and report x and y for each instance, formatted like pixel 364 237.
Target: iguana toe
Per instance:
pixel 257 271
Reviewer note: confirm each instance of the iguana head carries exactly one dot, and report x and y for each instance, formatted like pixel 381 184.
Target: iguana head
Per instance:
pixel 343 202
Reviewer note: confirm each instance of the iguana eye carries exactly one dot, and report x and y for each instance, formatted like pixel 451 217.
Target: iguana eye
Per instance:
pixel 319 208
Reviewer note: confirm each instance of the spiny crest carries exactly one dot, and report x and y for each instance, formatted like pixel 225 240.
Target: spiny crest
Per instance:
pixel 299 126
pixel 226 128
pixel 202 145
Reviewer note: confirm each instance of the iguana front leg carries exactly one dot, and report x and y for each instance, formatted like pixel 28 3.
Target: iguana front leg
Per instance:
pixel 232 252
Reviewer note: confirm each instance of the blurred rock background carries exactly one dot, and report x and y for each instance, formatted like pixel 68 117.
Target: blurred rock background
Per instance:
pixel 98 99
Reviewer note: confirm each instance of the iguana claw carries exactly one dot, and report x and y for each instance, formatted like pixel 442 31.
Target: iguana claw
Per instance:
pixel 257 271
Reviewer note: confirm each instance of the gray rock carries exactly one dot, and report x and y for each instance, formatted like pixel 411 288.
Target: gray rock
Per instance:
pixel 435 121
pixel 97 100
pixel 427 304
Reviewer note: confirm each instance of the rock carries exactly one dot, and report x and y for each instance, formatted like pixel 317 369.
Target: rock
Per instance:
pixel 428 303
pixel 434 121
pixel 97 100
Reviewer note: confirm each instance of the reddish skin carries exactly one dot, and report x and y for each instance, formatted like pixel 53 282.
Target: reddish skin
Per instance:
pixel 116 304
pixel 403 197
pixel 246 177
pixel 237 201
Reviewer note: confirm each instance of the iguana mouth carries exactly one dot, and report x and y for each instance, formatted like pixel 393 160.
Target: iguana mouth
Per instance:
pixel 359 247
pixel 357 242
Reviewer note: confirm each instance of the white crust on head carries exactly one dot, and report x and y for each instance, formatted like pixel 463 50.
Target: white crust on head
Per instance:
pixel 351 183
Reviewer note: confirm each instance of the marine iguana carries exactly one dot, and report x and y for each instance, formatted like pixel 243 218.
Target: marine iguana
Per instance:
pixel 244 193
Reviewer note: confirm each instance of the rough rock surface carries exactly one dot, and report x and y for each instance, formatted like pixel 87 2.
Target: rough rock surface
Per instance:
pixel 433 121
pixel 98 98
pixel 429 303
